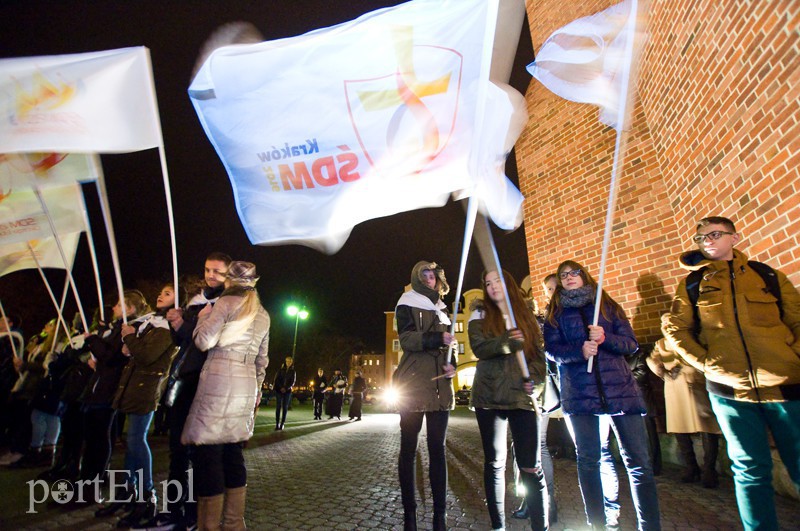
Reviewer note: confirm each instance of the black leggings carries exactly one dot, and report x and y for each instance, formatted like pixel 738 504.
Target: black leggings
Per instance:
pixel 218 467
pixel 492 424
pixel 436 426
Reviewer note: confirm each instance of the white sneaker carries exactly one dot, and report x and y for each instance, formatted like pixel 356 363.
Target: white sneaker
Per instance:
pixel 10 458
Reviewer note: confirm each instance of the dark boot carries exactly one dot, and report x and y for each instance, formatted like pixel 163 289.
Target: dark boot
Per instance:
pixel 141 512
pixel 124 500
pixel 409 520
pixel 710 451
pixel 691 468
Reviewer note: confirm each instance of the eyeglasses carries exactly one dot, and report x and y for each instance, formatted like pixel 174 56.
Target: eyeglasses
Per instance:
pixel 713 236
pixel 571 273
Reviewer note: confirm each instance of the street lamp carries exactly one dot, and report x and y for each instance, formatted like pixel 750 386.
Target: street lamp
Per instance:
pixel 298 314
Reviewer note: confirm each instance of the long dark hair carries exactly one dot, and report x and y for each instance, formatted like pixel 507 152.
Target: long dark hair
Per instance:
pixel 608 306
pixel 495 324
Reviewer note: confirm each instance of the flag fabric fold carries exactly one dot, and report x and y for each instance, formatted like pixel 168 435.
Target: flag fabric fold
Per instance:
pixel 17 256
pixel 585 60
pixel 44 170
pixel 97 102
pixel 372 117
pixel 22 217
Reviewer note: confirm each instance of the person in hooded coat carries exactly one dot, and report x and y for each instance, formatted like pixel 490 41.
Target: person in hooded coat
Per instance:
pixel 423 380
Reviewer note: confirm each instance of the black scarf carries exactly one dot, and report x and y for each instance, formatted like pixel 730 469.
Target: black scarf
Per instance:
pixel 577 298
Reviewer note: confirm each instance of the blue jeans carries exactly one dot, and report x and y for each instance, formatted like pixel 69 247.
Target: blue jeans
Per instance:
pixel 138 456
pixel 608 472
pixel 45 429
pixel 745 426
pixel 633 445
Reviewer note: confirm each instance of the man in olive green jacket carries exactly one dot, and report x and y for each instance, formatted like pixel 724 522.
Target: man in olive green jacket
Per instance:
pixel 747 344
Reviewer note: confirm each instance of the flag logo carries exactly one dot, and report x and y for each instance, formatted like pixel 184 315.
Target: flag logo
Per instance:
pixel 416 104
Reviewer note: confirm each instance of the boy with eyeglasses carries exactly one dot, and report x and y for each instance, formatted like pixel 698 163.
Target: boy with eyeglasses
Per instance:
pixel 730 324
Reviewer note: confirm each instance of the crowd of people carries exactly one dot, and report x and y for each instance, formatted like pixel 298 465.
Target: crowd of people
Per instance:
pixel 729 358
pixel 204 362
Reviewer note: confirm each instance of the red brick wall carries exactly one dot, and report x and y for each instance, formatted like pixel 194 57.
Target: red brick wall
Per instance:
pixel 715 132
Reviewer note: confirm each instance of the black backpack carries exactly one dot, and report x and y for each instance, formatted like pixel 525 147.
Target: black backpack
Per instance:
pixel 763 270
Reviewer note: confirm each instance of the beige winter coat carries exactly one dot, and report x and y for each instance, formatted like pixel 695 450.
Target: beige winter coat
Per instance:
pixel 685 396
pixel 223 410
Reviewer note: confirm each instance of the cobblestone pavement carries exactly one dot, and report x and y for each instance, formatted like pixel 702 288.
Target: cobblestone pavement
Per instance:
pixel 323 475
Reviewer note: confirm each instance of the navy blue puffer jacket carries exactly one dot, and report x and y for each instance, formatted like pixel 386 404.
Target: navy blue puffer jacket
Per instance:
pixel 610 388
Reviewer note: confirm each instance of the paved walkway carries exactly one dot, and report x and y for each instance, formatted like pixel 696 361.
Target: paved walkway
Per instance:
pixel 342 475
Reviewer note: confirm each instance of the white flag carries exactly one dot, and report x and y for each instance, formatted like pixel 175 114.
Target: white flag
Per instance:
pixel 22 217
pixel 44 170
pixel 362 120
pixel 17 256
pixel 585 61
pixel 99 102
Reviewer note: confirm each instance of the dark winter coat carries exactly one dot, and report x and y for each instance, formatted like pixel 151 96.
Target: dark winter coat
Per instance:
pixel 107 349
pixel 285 379
pixel 418 376
pixel 498 382
pixel 145 375
pixel 610 388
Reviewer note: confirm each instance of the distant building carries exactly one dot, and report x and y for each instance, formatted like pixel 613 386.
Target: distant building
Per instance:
pixel 372 366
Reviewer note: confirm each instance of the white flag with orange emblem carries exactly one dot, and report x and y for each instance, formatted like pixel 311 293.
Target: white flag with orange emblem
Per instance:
pixel 22 217
pixel 17 256
pixel 97 102
pixel 362 120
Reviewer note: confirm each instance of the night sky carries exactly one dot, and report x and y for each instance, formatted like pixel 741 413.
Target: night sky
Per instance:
pixel 345 293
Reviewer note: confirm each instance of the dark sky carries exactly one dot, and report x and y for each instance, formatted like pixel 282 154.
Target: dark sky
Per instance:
pixel 346 292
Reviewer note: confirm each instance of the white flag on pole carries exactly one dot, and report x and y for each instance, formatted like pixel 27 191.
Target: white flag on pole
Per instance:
pixel 22 217
pixel 362 120
pixel 44 170
pixel 585 60
pixel 98 102
pixel 17 256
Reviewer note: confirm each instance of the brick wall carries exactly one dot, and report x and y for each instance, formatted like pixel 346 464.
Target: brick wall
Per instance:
pixel 715 132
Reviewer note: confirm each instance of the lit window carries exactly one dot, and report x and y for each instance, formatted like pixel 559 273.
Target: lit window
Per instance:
pixel 370 362
pixel 377 362
pixel 461 348
pixel 460 326
pixel 395 345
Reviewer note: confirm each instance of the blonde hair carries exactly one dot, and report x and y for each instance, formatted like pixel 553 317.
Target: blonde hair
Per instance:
pixel 244 317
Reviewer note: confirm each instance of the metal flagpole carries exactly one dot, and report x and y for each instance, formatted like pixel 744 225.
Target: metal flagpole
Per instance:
pixel 49 290
pixel 472 212
pixel 619 150
pixel 67 265
pixel 112 242
pixel 11 334
pixel 483 236
pixel 93 254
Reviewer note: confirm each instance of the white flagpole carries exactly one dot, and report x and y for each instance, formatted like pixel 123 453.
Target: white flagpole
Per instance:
pixel 491 259
pixel 67 265
pixel 165 176
pixel 93 254
pixel 112 242
pixel 472 213
pixel 8 331
pixel 621 141
pixel 49 291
